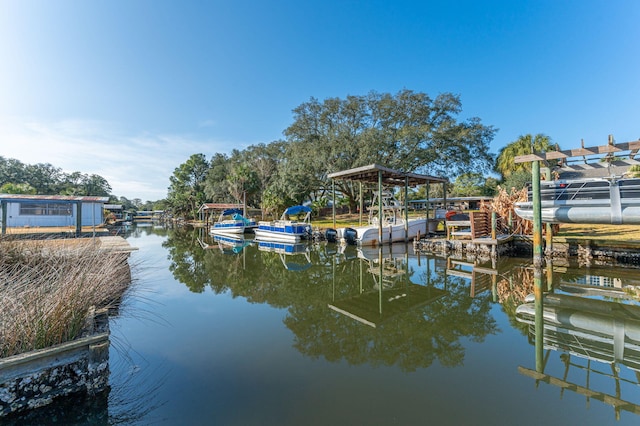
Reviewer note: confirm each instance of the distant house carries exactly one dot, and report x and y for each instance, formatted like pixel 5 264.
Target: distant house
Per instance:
pixel 118 213
pixel 455 203
pixel 115 209
pixel 21 210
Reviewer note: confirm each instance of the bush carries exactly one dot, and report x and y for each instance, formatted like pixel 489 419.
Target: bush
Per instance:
pixel 47 291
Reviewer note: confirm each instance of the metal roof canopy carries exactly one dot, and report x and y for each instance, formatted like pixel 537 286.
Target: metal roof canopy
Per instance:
pixel 371 172
pixel 72 198
pixel 380 175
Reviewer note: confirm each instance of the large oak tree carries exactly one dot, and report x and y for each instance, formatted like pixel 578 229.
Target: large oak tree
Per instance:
pixel 408 131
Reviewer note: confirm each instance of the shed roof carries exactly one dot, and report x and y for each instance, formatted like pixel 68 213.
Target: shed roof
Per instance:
pixel 113 206
pixel 70 198
pixel 219 206
pixel 389 176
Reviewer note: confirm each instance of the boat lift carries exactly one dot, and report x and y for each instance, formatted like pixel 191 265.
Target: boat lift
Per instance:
pixel 603 152
pixel 384 176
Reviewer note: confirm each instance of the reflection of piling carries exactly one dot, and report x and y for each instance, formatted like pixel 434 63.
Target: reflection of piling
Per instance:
pixel 539 320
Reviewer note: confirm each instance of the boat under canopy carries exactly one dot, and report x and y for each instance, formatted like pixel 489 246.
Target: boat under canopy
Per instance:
pixel 231 221
pixel 596 200
pixel 392 221
pixel 388 221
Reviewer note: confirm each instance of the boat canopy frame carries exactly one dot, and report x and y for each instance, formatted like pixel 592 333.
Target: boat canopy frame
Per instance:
pixel 384 176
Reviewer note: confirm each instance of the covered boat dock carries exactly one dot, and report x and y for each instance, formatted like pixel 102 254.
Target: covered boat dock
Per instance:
pixel 383 176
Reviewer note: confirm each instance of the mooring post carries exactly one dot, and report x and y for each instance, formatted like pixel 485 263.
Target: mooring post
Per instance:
pixel 444 194
pixel 333 188
pixel 537 214
pixel 4 216
pixel 493 225
pixel 361 205
pixel 427 206
pixel 548 226
pixel 78 218
pixel 380 207
pixel 406 210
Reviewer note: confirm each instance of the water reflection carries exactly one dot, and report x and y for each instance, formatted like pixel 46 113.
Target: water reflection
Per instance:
pixel 227 244
pixel 591 318
pixel 348 313
pixel 392 307
pixel 392 292
pixel 383 306
pixel 294 256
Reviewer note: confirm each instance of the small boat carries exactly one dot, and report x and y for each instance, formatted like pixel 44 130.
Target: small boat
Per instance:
pixel 286 229
pixel 231 221
pixel 393 224
pixel 609 200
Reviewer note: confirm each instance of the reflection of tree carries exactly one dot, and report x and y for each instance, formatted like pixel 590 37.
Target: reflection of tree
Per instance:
pixel 515 285
pixel 412 338
pixel 187 259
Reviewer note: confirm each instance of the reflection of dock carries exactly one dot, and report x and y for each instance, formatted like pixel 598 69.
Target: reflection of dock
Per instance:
pixel 615 401
pixel 482 278
pixel 588 330
pixel 374 307
pixel 595 329
pixel 599 281
pixel 287 251
pixel 227 244
pixel 392 293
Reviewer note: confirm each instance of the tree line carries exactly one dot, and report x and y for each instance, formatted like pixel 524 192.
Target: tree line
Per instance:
pixel 408 131
pixel 17 177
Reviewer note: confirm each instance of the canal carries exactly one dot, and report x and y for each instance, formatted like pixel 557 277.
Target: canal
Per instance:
pixel 242 334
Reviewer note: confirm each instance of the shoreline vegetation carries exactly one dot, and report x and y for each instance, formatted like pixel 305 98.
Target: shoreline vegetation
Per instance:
pixel 49 290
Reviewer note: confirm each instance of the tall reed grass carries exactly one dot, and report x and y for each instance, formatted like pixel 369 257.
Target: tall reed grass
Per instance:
pixel 48 291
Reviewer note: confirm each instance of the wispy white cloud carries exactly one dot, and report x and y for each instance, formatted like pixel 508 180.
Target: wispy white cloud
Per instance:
pixel 207 123
pixel 136 165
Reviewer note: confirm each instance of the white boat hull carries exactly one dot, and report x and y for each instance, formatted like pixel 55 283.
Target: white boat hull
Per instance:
pixel 227 230
pixel 596 200
pixel 596 214
pixel 368 235
pixel 277 236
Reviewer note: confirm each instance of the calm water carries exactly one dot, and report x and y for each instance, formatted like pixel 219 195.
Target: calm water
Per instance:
pixel 243 335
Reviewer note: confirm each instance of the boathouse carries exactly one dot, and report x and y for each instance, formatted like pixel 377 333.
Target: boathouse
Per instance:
pixel 22 210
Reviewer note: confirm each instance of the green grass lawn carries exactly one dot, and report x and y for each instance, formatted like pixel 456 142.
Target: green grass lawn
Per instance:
pixel 600 232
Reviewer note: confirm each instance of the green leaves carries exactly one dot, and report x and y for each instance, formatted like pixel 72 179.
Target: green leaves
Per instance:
pixel 525 144
pixel 186 191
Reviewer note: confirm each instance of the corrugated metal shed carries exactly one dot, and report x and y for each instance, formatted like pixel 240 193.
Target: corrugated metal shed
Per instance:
pixel 83 198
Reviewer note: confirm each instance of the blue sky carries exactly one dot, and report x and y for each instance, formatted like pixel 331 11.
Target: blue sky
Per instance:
pixel 130 89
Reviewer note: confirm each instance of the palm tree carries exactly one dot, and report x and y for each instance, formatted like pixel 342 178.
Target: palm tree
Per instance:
pixel 525 144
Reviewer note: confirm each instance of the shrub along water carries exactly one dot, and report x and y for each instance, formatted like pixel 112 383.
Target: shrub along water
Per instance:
pixel 48 291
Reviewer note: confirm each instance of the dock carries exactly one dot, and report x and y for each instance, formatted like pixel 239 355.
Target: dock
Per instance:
pixel 481 232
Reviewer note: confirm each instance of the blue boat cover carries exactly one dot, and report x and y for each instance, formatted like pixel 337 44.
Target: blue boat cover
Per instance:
pixel 297 210
pixel 229 212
